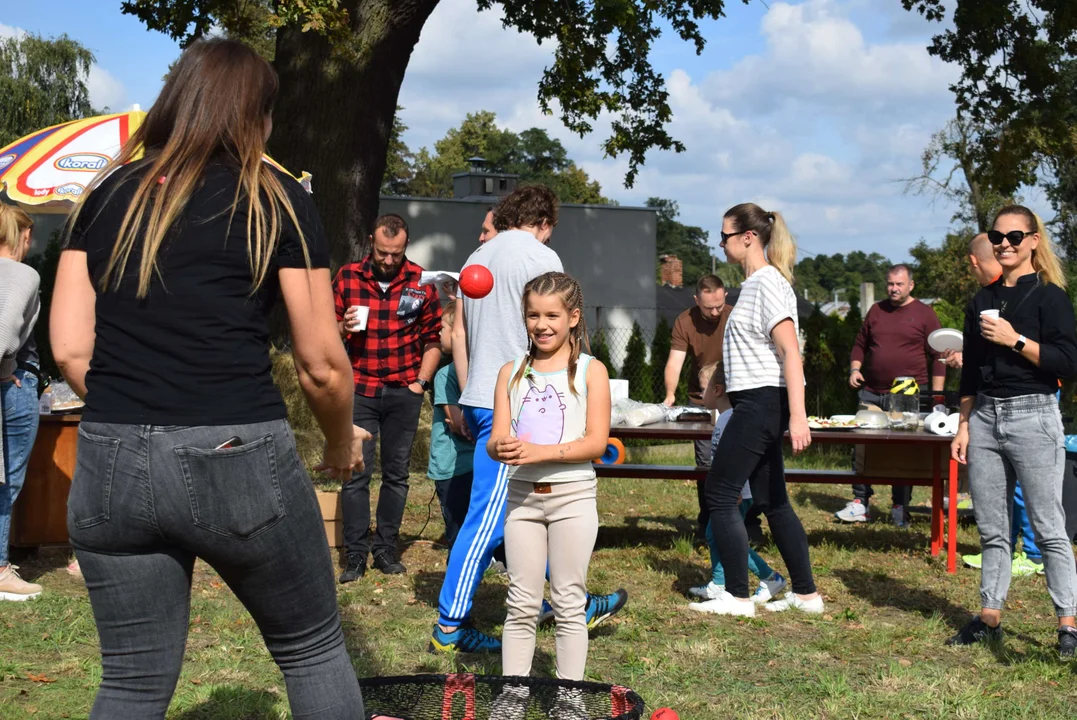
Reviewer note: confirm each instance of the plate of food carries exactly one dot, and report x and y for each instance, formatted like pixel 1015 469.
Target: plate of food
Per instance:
pixel 834 422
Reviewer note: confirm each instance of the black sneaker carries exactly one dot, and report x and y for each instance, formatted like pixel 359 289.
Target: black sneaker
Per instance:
pixel 1067 642
pixel 355 569
pixel 977 631
pixel 388 564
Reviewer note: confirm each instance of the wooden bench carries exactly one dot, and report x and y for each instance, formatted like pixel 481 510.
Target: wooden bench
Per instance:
pixel 690 472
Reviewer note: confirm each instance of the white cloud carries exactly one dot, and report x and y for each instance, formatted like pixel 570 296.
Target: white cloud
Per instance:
pixel 105 90
pixel 7 31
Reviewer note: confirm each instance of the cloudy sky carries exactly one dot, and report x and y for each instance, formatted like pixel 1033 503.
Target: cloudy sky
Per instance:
pixel 815 108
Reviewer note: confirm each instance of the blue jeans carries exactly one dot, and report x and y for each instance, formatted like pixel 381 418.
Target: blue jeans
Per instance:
pixel 1020 527
pixel 757 565
pixel 146 501
pixel 19 430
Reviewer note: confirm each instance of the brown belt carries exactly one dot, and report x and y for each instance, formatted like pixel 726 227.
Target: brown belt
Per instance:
pixel 542 488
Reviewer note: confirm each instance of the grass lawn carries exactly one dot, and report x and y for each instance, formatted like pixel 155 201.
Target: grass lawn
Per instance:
pixel 878 651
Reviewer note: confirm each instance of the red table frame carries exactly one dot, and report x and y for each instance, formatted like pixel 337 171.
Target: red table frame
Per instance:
pixel 943 525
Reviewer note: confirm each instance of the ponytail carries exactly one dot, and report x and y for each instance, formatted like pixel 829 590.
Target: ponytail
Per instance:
pixel 1044 260
pixel 13 222
pixel 782 248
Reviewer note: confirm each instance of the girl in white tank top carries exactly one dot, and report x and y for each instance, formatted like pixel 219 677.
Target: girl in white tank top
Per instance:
pixel 551 419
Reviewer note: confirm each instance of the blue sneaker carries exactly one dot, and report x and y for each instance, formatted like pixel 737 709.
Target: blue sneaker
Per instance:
pixel 463 639
pixel 546 614
pixel 602 607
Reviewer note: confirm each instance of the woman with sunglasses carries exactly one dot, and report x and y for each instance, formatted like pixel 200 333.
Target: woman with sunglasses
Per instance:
pixel 765 383
pixel 1020 340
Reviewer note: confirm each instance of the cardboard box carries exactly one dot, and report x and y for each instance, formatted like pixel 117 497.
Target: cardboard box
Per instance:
pixel 332 518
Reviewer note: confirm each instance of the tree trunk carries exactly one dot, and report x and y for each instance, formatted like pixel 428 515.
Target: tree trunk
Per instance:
pixel 334 116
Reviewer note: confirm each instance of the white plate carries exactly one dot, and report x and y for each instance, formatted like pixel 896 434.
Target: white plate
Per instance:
pixel 945 339
pixel 844 419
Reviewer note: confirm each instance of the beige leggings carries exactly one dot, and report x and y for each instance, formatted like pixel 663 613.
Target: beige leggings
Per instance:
pixel 561 526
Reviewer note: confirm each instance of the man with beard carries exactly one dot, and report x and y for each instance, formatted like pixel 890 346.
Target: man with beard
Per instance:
pixel 391 325
pixel 892 343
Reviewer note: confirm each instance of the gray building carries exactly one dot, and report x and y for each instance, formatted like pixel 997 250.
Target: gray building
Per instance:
pixel 609 249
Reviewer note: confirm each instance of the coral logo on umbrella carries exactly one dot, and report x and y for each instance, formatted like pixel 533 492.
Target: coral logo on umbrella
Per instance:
pixel 72 189
pixel 83 162
pixel 7 160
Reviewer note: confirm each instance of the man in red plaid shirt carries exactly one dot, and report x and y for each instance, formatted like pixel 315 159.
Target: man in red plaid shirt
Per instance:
pixel 391 326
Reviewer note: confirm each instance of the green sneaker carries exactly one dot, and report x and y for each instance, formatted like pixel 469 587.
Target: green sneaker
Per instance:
pixel 973 561
pixel 1023 567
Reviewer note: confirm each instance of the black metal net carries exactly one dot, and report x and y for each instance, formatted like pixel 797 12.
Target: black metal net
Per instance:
pixel 483 697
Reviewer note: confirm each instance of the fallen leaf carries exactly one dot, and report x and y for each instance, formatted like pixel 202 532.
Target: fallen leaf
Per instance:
pixel 196 681
pixel 42 678
pixel 378 590
pixel 904 663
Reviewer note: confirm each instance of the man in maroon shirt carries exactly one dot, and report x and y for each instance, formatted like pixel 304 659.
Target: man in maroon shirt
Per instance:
pixel 892 343
pixel 391 326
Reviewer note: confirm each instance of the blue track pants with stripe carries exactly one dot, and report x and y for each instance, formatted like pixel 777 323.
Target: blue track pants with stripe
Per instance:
pixel 483 528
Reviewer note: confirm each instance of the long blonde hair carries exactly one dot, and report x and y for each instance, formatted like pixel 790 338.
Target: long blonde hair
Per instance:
pixel 214 105
pixel 1044 260
pixel 778 242
pixel 13 223
pixel 571 294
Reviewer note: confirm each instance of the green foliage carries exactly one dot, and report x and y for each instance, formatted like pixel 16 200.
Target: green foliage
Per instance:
pixel 399 163
pixel 531 154
pixel 636 369
pixel 828 341
pixel 687 242
pixel 944 272
pixel 822 275
pixel 600 350
pixel 661 342
pixel 46 264
pixel 1015 83
pixel 42 83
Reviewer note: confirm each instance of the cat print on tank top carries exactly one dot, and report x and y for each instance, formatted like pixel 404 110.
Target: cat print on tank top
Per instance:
pixel 542 417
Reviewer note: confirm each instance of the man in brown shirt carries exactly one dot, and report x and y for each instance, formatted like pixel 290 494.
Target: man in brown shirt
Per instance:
pixel 697 334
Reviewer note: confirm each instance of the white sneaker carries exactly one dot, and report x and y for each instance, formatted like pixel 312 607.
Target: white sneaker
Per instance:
pixel 854 511
pixel 768 589
pixel 725 604
pixel 792 602
pixel 710 591
pixel 13 587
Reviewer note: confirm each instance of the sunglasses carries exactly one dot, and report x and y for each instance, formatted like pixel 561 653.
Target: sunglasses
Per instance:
pixel 726 236
pixel 1014 236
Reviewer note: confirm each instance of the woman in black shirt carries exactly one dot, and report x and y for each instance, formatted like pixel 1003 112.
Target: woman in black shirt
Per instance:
pixel 159 321
pixel 1020 341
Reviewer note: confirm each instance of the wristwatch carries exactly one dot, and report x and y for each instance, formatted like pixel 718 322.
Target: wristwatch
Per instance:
pixel 424 384
pixel 1020 344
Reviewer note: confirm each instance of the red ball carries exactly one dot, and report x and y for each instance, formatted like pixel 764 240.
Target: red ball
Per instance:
pixel 665 714
pixel 476 281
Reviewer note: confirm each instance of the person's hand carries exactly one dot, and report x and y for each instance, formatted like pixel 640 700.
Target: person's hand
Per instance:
pixel 448 288
pixel 339 461
pixel 856 379
pixel 416 388
pixel 952 359
pixel 670 399
pixel 998 331
pixel 799 433
pixel 351 316
pixel 507 449
pixel 14 379
pixel 525 453
pixel 959 447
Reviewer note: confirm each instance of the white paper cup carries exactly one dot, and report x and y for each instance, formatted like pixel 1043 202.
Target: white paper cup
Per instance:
pixel 361 316
pixel 993 314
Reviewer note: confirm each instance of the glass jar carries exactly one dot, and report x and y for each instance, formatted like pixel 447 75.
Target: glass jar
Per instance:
pixel 904 410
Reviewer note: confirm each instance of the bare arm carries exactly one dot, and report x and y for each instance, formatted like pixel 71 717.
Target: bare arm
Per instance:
pixel 459 345
pixel 430 362
pixel 788 346
pixel 501 440
pixel 454 418
pixel 325 374
pixel 673 374
pixel 72 319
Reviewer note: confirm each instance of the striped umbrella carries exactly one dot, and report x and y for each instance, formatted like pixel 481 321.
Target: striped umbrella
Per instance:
pixel 48 170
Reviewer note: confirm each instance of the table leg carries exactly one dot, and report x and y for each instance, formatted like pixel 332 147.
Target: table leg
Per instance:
pixel 951 530
pixel 936 505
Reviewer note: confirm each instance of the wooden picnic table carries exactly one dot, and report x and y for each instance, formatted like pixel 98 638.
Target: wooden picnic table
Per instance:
pixel 943 528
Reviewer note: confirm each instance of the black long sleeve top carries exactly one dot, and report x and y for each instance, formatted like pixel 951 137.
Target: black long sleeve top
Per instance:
pixel 1039 311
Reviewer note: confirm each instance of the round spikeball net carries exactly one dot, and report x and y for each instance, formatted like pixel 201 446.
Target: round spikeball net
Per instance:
pixel 486 697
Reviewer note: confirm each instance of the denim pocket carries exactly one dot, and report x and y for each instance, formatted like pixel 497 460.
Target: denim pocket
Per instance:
pixel 233 492
pixel 89 500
